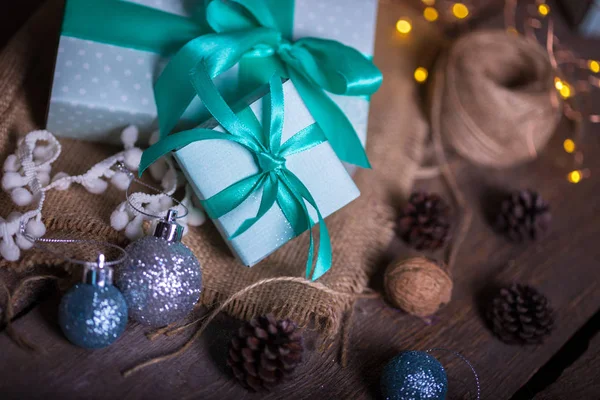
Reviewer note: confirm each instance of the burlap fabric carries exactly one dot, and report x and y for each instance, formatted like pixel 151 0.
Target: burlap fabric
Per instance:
pixel 360 232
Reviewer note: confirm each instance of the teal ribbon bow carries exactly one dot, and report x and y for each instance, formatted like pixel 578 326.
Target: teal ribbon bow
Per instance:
pixel 255 33
pixel 277 183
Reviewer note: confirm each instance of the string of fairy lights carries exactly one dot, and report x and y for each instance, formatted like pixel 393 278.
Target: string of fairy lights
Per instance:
pixel 569 68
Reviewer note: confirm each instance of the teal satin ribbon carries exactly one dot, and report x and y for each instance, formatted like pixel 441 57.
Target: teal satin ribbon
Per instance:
pixel 277 183
pixel 256 33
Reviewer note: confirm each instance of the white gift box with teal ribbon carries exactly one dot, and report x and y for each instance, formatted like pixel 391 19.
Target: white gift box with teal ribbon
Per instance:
pixel 263 182
pixel 109 60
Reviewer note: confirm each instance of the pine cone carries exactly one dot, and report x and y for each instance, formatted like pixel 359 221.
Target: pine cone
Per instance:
pixel 264 352
pixel 519 314
pixel 523 215
pixel 424 222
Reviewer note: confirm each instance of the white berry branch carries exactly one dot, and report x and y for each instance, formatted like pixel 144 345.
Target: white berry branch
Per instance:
pixel 27 179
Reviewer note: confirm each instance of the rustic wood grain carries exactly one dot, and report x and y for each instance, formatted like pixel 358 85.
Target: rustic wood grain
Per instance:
pixel 581 380
pixel 14 14
pixel 563 266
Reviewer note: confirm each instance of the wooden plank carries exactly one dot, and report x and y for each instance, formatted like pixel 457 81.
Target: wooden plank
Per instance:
pixel 573 370
pixel 13 15
pixel 579 381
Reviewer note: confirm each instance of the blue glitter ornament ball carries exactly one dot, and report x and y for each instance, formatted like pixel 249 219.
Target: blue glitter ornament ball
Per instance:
pixel 92 316
pixel 414 375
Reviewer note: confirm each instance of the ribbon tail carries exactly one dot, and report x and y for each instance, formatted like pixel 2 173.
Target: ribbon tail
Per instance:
pixel 292 209
pixel 324 258
pixel 323 263
pixel 337 128
pixel 269 197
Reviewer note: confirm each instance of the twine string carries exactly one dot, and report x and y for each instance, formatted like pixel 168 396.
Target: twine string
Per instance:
pixel 446 172
pixel 207 320
pixel 498 101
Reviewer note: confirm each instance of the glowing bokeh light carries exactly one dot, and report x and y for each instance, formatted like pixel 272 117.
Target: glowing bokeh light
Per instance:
pixel 430 14
pixel 558 84
pixel 544 9
pixel 569 145
pixel 460 11
pixel 403 26
pixel 421 74
pixel 565 91
pixel 574 176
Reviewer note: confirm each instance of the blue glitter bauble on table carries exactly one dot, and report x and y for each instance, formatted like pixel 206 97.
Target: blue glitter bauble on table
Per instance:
pixel 161 278
pixel 92 316
pixel 414 375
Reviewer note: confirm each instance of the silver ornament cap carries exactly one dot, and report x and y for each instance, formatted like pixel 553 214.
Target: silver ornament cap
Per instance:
pixel 168 229
pixel 98 274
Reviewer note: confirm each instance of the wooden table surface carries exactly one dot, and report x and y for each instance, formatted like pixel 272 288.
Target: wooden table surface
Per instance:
pixel 564 266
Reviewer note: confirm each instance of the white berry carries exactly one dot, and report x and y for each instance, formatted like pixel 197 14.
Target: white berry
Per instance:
pixel 12 180
pixel 21 196
pixel 96 186
pixel 11 164
pixel 129 136
pixel 120 180
pixel 44 178
pixel 195 217
pixel 35 228
pixel 132 158
pixel 9 250
pixel 165 202
pixel 133 230
pixel 119 220
pixel 23 242
pixel 64 185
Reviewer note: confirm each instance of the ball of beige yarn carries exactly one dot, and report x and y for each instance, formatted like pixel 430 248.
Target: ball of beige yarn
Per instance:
pixel 418 286
pixel 498 105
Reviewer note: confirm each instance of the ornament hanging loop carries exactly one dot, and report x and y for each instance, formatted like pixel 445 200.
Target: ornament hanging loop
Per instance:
pixel 100 263
pixel 466 361
pixel 121 167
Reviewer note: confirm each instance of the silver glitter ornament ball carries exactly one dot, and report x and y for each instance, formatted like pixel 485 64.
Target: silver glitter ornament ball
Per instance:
pixel 414 375
pixel 160 279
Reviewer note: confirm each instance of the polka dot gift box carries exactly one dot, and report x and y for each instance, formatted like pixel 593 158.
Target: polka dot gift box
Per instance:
pixel 112 53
